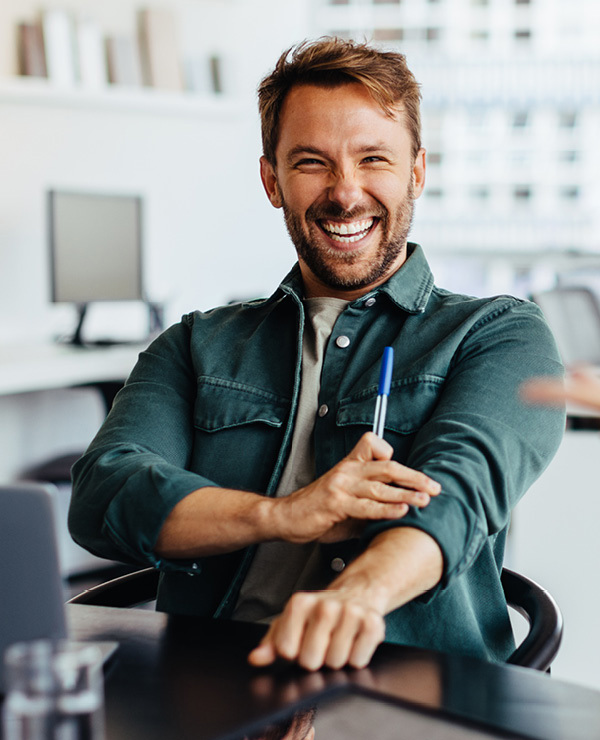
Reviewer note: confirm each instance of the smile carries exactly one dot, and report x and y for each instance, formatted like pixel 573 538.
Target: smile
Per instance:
pixel 347 232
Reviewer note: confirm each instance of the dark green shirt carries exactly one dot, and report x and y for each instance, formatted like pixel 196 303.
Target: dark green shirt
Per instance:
pixel 212 403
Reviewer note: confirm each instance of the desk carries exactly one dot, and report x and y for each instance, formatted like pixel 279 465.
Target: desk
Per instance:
pixel 179 678
pixel 38 367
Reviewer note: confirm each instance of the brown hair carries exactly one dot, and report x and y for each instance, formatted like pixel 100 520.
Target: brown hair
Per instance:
pixel 330 62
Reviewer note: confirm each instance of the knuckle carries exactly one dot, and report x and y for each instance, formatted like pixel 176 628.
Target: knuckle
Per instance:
pixel 327 609
pixel 300 601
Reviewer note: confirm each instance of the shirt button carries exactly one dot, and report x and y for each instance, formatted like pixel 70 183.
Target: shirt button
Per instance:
pixel 342 341
pixel 338 565
pixel 370 302
pixel 323 410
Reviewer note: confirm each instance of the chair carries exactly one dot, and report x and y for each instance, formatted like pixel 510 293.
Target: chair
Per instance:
pixel 535 604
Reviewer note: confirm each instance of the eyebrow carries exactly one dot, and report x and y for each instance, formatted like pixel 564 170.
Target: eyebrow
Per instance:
pixel 378 147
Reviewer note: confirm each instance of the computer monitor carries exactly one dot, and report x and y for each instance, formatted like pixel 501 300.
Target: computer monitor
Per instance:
pixel 95 249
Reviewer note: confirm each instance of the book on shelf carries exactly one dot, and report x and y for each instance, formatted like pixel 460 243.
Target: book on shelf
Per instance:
pixel 91 56
pixel 123 58
pixel 59 44
pixel 160 54
pixel 30 48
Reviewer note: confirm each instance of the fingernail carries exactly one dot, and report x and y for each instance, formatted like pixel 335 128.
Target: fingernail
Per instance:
pixel 423 497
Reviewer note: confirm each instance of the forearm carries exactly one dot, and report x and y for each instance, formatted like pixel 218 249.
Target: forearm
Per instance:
pixel 399 565
pixel 211 521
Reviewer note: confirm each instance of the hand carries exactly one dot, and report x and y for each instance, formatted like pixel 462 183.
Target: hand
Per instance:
pixel 343 625
pixel 330 628
pixel 367 484
pixel 581 387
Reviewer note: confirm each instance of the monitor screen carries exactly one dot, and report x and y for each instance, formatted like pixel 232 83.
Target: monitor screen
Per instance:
pixel 95 247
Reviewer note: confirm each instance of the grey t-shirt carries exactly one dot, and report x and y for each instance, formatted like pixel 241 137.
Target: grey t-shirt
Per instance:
pixel 281 568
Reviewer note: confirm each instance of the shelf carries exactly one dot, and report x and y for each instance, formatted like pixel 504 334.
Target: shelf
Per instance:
pixel 36 91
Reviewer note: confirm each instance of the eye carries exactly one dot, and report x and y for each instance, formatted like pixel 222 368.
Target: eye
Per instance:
pixel 309 163
pixel 373 159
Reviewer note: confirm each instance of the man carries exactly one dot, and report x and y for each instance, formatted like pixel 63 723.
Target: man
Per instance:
pixel 237 458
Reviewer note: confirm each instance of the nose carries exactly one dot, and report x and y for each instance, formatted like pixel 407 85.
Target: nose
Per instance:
pixel 345 189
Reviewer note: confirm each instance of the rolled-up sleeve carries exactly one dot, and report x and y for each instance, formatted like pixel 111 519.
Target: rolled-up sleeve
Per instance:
pixel 134 472
pixel 482 443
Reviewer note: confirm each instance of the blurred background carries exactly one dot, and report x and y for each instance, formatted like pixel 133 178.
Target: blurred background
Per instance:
pixel 157 102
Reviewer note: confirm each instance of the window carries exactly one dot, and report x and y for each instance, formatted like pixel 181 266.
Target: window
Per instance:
pixel 568 156
pixel 570 192
pixel 433 34
pixel 567 119
pixel 522 192
pixel 520 119
pixel 480 192
pixel 523 34
pixel 388 34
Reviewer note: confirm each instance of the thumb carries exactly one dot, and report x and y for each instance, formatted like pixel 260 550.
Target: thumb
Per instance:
pixel 371 447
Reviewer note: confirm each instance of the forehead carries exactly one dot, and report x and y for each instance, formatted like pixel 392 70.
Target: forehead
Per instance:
pixel 323 116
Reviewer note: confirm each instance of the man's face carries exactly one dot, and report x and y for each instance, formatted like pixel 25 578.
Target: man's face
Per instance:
pixel 346 180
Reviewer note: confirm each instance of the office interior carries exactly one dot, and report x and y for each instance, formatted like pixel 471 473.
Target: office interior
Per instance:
pixel 511 104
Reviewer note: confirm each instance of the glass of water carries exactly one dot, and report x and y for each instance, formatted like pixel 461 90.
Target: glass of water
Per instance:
pixel 54 691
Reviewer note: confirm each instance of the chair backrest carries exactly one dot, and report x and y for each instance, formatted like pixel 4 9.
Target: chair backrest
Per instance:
pixel 540 646
pixel 538 649
pixel 128 591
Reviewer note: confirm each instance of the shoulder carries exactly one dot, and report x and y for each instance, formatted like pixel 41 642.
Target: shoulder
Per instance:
pixel 483 310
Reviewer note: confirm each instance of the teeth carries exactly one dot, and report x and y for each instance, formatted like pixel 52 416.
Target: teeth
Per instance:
pixel 356 227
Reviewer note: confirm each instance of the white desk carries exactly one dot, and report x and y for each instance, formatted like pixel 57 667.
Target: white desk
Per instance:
pixel 45 366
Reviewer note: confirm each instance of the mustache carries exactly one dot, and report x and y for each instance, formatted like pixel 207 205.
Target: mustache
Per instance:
pixel 335 212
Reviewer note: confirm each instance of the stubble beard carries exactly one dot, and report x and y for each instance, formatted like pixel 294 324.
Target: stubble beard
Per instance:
pixel 333 267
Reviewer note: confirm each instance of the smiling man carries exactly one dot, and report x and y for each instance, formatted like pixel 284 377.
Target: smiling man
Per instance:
pixel 238 457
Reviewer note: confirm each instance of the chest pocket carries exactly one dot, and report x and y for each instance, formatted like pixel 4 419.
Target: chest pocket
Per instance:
pixel 238 432
pixel 410 405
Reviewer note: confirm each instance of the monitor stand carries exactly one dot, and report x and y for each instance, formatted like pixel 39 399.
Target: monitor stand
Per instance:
pixel 156 325
pixel 76 338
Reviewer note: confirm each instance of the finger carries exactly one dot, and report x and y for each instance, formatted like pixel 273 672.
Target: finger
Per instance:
pixel 371 635
pixel 543 390
pixel 344 636
pixel 264 653
pixel 371 447
pixel 383 493
pixel 364 508
pixel 291 625
pixel 391 471
pixel 317 636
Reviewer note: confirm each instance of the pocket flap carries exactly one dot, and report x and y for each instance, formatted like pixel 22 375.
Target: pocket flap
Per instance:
pixel 410 404
pixel 222 404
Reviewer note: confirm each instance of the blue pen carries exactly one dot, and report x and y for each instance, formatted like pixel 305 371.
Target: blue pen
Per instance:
pixel 385 382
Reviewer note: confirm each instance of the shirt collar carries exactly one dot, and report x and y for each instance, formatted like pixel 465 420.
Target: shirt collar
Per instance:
pixel 409 287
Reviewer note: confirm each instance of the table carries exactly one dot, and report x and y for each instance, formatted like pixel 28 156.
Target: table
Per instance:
pixel 47 366
pixel 186 677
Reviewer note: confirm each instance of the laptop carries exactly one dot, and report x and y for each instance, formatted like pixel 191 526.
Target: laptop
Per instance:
pixel 32 601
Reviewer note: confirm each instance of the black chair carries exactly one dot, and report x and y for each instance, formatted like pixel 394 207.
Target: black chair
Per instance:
pixel 535 604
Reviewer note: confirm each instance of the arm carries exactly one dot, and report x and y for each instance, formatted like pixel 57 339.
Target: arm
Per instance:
pixel 581 387
pixel 366 484
pixel 344 624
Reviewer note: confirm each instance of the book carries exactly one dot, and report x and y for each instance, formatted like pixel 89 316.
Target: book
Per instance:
pixel 91 55
pixel 123 61
pixel 161 60
pixel 59 45
pixel 30 48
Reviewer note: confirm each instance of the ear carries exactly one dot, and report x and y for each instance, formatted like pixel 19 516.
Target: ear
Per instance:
pixel 269 181
pixel 419 173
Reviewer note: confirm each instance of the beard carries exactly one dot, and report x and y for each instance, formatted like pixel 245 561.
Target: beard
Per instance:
pixel 333 267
